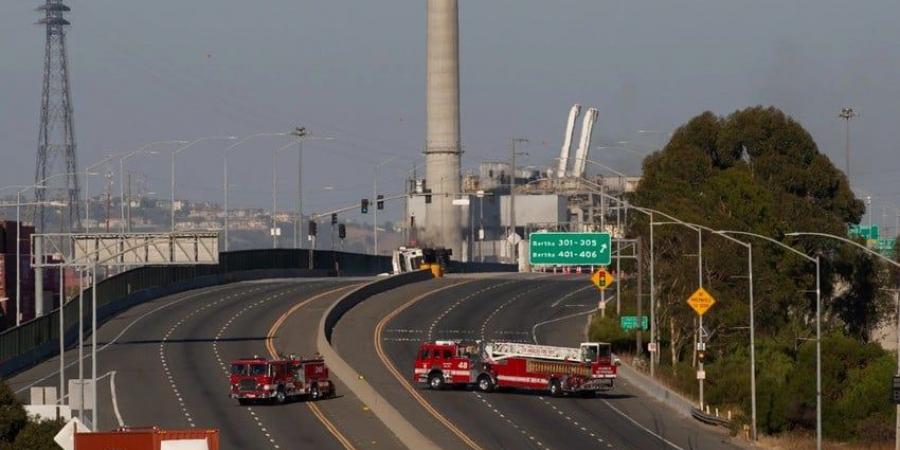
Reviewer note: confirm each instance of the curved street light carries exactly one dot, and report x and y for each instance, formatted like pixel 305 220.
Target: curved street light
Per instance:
pixel 225 172
pixel 175 153
pixel 818 333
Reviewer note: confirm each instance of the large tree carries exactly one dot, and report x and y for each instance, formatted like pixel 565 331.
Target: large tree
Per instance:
pixel 754 170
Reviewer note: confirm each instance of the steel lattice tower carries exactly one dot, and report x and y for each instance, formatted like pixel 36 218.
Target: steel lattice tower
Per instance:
pixel 56 136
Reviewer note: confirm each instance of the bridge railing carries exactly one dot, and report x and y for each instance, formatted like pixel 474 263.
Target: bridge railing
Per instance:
pixel 33 341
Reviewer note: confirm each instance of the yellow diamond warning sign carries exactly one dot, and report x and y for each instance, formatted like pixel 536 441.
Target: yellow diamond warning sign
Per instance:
pixel 602 279
pixel 701 301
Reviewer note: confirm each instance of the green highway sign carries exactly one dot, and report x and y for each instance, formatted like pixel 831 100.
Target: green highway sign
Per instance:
pixel 864 231
pixel 631 322
pixel 570 249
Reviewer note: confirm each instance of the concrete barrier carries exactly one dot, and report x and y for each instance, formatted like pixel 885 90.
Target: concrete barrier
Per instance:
pixel 409 435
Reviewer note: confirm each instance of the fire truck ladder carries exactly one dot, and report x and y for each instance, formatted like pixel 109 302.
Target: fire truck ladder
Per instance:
pixel 502 350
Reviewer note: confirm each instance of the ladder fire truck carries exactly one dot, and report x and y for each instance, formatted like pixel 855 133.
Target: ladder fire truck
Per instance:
pixel 258 379
pixel 585 370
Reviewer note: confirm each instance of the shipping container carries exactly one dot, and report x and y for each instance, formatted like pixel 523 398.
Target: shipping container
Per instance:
pixel 147 439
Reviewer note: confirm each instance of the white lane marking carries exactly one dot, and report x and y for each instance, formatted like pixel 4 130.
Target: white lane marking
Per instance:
pixel 626 416
pixel 121 333
pixel 493 313
pixel 221 361
pixel 162 354
pixel 115 403
pixel 459 302
pixel 509 421
pixel 570 294
pixel 569 316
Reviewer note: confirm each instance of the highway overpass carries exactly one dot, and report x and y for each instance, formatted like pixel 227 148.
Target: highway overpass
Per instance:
pixel 164 363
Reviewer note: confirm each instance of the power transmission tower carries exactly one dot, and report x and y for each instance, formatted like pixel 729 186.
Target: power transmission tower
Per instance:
pixel 56 135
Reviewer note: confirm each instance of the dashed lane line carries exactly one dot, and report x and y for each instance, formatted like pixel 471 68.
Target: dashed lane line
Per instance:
pixel 459 302
pixel 270 346
pixel 576 424
pixel 511 423
pixel 125 330
pixel 162 351
pixel 224 366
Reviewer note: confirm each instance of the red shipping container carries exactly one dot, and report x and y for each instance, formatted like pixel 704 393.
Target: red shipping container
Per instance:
pixel 143 439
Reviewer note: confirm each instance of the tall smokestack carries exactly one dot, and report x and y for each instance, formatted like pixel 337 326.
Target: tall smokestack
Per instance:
pixel 442 148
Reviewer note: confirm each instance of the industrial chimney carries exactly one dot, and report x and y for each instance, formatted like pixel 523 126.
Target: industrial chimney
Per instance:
pixel 443 227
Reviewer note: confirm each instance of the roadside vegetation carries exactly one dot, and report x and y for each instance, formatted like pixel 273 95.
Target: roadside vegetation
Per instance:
pixel 758 170
pixel 18 431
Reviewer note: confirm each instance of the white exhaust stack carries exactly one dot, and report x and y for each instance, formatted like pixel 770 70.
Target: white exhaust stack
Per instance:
pixel 567 141
pixel 584 148
pixel 443 225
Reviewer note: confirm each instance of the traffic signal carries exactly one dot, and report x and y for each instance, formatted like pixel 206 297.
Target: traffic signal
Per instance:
pixel 427 196
pixel 380 203
pixel 312 228
pixel 342 231
pixel 701 355
pixel 334 218
pixel 364 206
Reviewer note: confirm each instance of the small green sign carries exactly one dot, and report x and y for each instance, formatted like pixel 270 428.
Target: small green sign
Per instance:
pixel 864 232
pixel 570 249
pixel 631 322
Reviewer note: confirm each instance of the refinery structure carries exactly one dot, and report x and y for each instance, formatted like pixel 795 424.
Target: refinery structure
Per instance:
pixel 486 216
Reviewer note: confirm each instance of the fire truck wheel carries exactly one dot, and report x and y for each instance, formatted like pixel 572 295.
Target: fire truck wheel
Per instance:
pixel 436 381
pixel 314 392
pixel 485 383
pixel 280 397
pixel 555 388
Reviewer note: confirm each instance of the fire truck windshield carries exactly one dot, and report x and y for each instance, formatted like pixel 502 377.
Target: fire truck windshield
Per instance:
pixel 589 353
pixel 249 369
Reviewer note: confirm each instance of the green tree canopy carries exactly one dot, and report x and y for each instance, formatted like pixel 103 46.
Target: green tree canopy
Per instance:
pixel 12 414
pixel 756 170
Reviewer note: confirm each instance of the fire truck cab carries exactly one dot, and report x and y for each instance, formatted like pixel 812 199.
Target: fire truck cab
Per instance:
pixel 586 369
pixel 258 379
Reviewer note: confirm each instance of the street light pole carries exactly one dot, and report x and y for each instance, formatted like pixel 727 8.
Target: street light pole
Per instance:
pixel 847 113
pixel 144 149
pixel 818 329
pixel 375 201
pixel 174 154
pixel 225 174
pixel 512 190
pixel 275 231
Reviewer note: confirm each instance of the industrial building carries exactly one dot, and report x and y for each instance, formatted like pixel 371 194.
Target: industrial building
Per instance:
pixel 499 205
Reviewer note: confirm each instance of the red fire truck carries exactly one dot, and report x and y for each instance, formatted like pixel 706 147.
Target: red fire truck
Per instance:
pixel 489 365
pixel 257 379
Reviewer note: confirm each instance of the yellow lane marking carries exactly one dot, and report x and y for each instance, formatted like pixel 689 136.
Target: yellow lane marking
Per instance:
pixel 270 346
pixel 403 381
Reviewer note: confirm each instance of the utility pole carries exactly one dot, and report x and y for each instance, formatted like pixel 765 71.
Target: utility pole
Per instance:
pixel 109 183
pixel 512 190
pixel 847 113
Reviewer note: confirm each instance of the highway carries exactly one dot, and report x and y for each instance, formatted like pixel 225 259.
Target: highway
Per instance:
pixel 380 337
pixel 169 359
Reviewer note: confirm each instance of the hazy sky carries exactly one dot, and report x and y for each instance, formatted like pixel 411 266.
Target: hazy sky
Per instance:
pixel 354 70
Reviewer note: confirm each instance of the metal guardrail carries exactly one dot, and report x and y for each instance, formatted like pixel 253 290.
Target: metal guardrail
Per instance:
pixel 709 419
